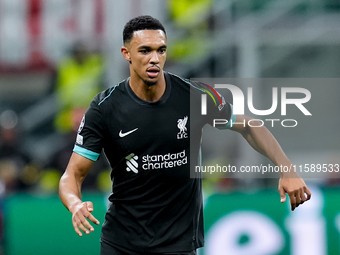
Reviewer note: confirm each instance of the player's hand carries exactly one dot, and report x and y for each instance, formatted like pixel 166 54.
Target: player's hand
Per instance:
pixel 296 189
pixel 81 213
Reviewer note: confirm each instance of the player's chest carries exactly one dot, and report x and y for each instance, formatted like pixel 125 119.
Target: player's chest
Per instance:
pixel 143 126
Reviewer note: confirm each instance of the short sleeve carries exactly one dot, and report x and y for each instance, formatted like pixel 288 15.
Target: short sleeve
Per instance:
pixel 89 141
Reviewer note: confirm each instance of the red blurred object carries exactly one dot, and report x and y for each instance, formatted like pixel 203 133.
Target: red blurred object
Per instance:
pixel 37 60
pixel 34 43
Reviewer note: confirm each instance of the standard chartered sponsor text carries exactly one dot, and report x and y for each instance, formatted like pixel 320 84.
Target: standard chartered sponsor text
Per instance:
pixel 168 160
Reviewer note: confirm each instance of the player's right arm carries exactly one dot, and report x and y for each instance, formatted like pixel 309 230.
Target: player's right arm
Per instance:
pixel 70 193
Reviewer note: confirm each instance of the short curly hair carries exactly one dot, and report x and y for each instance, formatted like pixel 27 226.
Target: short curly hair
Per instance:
pixel 144 22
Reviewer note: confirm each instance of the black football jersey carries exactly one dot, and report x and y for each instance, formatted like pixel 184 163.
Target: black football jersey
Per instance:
pixel 155 204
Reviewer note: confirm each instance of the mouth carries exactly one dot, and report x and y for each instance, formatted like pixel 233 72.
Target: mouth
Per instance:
pixel 153 71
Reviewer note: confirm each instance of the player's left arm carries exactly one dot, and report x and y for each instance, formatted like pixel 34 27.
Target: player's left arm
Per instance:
pixel 262 140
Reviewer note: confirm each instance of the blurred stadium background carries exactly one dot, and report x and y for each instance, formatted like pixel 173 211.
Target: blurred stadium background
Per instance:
pixel 49 48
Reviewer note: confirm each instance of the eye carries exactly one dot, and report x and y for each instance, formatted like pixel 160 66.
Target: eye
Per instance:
pixel 144 51
pixel 162 51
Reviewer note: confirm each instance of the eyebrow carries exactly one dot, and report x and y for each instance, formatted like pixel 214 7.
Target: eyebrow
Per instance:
pixel 144 47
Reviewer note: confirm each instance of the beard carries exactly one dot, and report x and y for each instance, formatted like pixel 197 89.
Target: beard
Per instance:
pixel 150 82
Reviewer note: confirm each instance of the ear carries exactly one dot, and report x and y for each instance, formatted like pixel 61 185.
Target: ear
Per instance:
pixel 126 54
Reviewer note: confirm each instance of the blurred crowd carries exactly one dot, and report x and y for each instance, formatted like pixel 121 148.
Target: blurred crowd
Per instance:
pixel 74 82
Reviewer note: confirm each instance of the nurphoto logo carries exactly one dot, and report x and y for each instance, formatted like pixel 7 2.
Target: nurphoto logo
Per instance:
pixel 239 105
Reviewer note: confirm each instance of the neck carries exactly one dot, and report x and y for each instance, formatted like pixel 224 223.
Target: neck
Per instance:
pixel 150 93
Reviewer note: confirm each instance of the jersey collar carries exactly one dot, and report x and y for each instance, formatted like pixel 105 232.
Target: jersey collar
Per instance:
pixel 140 101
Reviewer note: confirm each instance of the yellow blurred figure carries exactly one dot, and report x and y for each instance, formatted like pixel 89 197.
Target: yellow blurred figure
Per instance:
pixel 186 13
pixel 193 16
pixel 79 79
pixel 50 180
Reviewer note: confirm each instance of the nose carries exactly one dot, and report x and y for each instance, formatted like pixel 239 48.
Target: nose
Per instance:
pixel 154 57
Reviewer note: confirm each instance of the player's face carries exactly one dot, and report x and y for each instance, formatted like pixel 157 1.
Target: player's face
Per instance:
pixel 146 53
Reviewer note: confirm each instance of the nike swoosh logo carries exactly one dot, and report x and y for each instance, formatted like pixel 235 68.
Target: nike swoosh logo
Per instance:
pixel 121 134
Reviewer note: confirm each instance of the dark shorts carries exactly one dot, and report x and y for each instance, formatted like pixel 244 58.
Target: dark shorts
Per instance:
pixel 106 249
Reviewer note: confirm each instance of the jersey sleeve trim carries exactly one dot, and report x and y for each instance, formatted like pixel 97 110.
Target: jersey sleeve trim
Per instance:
pixel 86 153
pixel 232 120
pixel 101 101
